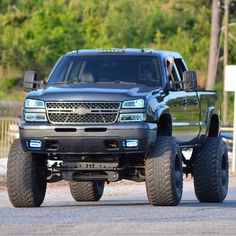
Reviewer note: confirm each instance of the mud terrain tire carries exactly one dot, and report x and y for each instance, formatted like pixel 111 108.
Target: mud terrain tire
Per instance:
pixel 210 170
pixel 164 173
pixel 26 177
pixel 86 191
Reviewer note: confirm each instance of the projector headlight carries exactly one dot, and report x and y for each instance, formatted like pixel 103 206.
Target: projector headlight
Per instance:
pixel 134 117
pixel 139 103
pixel 32 103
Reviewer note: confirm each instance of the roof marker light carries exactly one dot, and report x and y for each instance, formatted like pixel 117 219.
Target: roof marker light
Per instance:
pixel 112 50
pixel 146 50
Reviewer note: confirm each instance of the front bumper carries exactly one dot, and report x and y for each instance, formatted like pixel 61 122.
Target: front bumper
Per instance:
pixel 108 139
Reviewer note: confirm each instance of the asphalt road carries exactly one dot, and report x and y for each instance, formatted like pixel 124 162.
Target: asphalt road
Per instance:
pixel 123 210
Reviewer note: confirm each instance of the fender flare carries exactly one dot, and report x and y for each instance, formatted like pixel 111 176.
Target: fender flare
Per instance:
pixel 161 110
pixel 210 112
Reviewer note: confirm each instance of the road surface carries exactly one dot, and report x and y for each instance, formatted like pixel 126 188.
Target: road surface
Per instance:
pixel 123 210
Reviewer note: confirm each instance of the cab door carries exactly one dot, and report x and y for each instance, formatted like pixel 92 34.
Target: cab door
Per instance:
pixel 184 106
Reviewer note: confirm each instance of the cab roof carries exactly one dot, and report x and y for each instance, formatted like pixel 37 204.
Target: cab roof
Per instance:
pixel 125 51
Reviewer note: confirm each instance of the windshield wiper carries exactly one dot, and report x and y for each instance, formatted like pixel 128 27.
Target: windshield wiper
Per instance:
pixel 116 82
pixel 66 82
pixel 123 82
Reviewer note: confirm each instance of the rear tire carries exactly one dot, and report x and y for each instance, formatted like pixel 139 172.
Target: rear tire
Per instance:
pixel 164 173
pixel 26 177
pixel 86 191
pixel 210 170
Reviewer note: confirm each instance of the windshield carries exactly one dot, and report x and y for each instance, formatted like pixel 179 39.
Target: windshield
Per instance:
pixel 107 69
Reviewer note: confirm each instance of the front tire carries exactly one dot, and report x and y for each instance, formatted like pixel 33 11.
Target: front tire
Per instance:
pixel 86 191
pixel 164 173
pixel 210 170
pixel 26 177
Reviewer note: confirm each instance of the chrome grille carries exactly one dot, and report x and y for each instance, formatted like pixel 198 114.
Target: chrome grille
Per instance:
pixel 88 105
pixel 82 112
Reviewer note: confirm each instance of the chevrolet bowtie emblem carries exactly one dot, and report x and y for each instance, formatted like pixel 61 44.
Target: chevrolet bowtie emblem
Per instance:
pixel 82 111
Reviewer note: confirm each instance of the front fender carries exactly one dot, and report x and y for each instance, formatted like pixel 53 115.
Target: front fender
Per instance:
pixel 155 110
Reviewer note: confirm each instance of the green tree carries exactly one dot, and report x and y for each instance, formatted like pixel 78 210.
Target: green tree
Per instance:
pixel 33 34
pixel 35 40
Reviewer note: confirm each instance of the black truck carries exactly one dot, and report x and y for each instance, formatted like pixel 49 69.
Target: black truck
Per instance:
pixel 110 114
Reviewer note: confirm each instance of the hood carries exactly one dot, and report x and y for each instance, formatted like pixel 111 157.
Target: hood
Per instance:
pixel 92 92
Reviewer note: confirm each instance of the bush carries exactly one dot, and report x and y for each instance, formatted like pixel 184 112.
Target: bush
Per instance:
pixel 8 83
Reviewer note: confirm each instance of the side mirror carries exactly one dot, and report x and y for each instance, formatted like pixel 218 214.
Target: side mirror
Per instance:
pixel 190 81
pixel 30 81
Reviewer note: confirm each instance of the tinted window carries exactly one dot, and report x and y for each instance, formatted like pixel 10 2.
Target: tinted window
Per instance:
pixel 180 66
pixel 107 69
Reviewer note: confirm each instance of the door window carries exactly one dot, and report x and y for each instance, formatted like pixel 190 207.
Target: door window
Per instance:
pixel 173 75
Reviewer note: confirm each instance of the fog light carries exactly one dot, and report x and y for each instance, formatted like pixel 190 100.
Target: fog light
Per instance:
pixel 35 117
pixel 133 117
pixel 131 143
pixel 35 144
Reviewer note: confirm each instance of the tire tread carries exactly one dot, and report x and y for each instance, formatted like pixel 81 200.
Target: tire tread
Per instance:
pixel 206 170
pixel 86 191
pixel 21 171
pixel 158 171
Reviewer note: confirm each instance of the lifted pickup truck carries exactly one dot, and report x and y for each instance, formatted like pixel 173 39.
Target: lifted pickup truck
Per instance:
pixel 107 115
